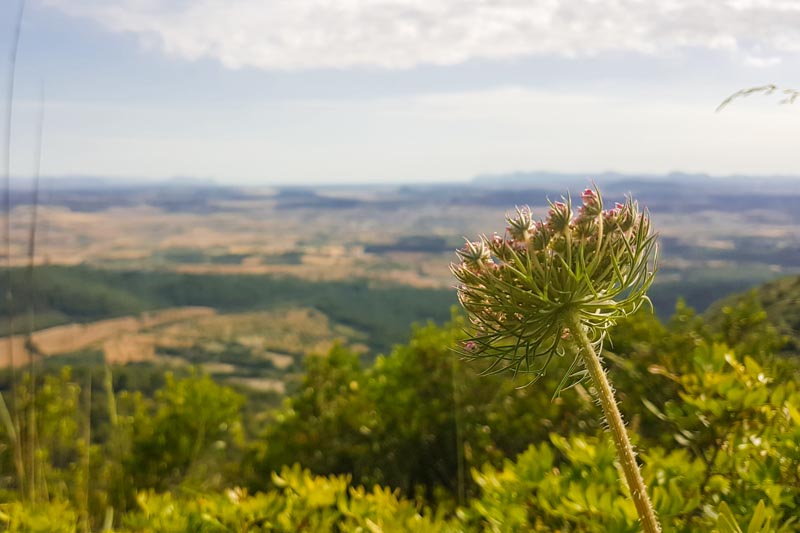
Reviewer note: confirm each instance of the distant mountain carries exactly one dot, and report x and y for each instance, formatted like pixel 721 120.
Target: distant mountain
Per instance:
pixel 544 177
pixel 93 183
pixel 615 181
pixel 88 196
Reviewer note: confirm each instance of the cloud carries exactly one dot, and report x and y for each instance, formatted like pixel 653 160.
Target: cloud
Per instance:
pixel 399 34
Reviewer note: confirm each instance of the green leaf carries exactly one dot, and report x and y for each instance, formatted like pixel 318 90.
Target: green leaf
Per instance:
pixel 760 523
pixel 650 406
pixel 726 522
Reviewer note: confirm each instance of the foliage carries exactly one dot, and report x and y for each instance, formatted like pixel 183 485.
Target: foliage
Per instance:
pixel 780 300
pixel 789 94
pixel 299 501
pixel 54 517
pixel 745 428
pixel 183 436
pixel 57 426
pixel 195 419
pixel 418 442
pixel 401 422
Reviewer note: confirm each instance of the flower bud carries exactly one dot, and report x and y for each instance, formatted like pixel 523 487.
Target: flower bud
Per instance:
pixel 592 204
pixel 560 216
pixel 542 237
pixel 627 216
pixel 475 255
pixel 521 227
pixel 471 346
pixel 500 247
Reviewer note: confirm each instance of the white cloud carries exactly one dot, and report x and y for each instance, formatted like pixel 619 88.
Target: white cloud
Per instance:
pixel 304 34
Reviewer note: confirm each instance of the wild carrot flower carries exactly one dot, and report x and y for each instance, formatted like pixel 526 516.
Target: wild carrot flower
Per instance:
pixel 521 290
pixel 554 287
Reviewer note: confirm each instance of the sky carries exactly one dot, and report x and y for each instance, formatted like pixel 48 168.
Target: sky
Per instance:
pixel 374 91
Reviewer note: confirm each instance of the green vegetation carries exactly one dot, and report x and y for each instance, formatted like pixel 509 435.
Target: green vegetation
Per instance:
pixel 780 300
pixel 419 442
pixel 383 312
pixel 65 294
pixel 414 243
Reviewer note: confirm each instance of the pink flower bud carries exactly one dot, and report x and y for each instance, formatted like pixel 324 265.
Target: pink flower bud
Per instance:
pixel 560 216
pixel 558 207
pixel 474 254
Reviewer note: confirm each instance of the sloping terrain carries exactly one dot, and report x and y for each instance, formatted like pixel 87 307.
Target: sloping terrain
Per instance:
pixel 62 295
pixel 781 302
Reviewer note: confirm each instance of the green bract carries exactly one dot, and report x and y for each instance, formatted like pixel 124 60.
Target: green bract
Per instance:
pixel 520 288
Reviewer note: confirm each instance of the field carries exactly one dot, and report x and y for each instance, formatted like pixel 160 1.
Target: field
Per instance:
pixel 258 350
pixel 111 334
pixel 394 234
pixel 243 283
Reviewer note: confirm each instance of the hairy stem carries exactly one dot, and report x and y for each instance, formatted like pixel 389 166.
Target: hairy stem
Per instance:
pixel 608 402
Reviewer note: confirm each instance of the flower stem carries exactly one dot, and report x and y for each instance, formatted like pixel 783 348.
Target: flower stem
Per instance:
pixel 608 402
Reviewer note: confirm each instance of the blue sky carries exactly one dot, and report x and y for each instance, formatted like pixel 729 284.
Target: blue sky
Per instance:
pixel 323 91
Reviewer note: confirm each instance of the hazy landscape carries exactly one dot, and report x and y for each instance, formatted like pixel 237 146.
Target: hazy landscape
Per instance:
pixel 224 274
pixel 139 292
pixel 396 266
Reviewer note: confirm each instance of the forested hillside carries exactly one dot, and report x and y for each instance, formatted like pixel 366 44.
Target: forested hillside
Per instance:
pixel 418 441
pixel 383 311
pixel 60 294
pixel 780 300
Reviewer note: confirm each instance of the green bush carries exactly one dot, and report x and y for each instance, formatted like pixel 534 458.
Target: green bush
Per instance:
pixel 419 442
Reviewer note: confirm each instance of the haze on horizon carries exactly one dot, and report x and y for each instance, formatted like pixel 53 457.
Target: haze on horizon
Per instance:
pixel 414 91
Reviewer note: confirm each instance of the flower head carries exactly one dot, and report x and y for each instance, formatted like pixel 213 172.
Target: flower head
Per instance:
pixel 596 265
pixel 559 216
pixel 521 227
pixel 475 255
